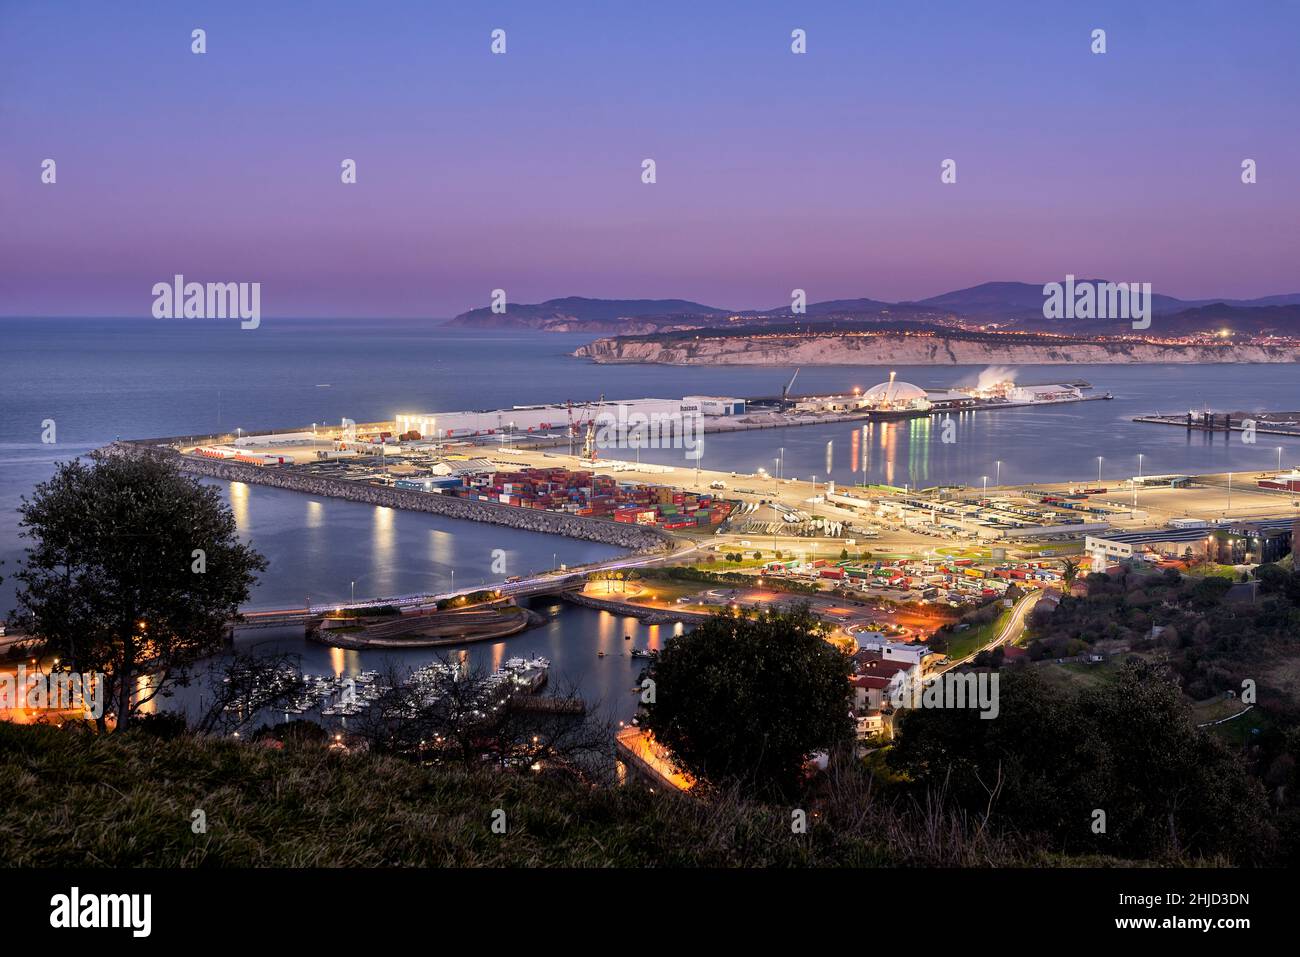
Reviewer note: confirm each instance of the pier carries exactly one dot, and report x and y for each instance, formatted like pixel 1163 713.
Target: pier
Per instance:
pixel 1265 423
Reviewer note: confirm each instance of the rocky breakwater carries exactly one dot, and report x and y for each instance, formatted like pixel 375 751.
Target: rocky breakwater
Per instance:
pixel 885 349
pixel 635 538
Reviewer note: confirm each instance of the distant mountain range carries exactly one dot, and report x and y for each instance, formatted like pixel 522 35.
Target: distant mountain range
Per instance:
pixel 1017 305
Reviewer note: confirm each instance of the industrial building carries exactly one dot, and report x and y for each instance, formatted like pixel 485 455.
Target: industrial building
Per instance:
pixel 895 396
pixel 1253 543
pixel 891 396
pixel 1229 543
pixel 556 417
pixel 947 400
pixel 1285 481
pixel 1044 393
pixel 715 404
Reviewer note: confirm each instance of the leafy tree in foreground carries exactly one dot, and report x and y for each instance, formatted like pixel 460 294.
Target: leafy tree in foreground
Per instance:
pixel 746 700
pixel 1130 749
pixel 133 570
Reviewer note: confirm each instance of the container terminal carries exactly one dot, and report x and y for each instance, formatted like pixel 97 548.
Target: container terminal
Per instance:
pixel 516 458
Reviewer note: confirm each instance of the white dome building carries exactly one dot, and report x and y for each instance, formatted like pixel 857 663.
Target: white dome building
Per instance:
pixel 894 395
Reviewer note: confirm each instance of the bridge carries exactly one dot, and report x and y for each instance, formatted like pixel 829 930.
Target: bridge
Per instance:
pixel 543 584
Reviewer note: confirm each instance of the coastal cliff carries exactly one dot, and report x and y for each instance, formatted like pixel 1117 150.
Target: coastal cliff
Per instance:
pixel 884 349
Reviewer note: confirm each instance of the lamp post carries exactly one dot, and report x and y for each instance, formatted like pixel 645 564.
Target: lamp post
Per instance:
pixel 1279 458
pixel 354 592
pixel 1100 459
pixel 997 483
pixel 1136 483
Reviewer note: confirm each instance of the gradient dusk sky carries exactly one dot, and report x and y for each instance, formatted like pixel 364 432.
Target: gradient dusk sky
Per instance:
pixel 522 171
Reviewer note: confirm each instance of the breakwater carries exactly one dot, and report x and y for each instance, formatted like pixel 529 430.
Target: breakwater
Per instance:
pixel 636 538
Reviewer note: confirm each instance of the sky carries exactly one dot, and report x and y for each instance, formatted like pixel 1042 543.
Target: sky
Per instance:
pixel 523 171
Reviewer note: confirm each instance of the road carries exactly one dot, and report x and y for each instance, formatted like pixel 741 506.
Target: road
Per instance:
pixel 1014 627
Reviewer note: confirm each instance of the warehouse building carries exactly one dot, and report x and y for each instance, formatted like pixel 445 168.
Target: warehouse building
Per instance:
pixel 1233 543
pixel 550 418
pixel 715 404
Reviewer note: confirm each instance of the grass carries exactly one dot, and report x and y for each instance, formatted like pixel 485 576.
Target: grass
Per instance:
pixel 74 798
pixel 725 566
pixel 1241 731
pixel 1076 676
pixel 967 642
pixel 1211 570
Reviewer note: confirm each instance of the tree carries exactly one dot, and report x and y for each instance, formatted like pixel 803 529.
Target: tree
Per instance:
pixel 1168 788
pixel 244 685
pixel 1069 572
pixel 133 571
pixel 745 701
pixel 458 716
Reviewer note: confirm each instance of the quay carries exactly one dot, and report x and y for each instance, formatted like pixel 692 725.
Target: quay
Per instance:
pixel 1266 423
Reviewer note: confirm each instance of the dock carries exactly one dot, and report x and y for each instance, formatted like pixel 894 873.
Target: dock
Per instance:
pixel 1265 423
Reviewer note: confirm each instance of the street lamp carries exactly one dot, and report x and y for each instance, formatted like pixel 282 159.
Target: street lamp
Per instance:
pixel 354 592
pixel 1100 459
pixel 1136 483
pixel 998 481
pixel 986 486
pixel 1279 458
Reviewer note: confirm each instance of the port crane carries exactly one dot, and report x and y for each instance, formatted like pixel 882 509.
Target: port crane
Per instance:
pixel 589 442
pixel 785 393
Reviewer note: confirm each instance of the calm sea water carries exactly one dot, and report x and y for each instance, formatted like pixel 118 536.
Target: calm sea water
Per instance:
pixel 99 379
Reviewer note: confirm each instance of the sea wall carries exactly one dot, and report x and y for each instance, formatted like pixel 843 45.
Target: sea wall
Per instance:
pixel 876 350
pixel 637 538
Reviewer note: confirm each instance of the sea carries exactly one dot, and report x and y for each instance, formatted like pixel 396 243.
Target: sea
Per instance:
pixel 84 382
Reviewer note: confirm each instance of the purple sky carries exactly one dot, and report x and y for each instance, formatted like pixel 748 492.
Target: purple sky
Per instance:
pixel 522 171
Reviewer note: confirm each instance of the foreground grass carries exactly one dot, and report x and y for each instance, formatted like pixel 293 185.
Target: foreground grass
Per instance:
pixel 128 800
